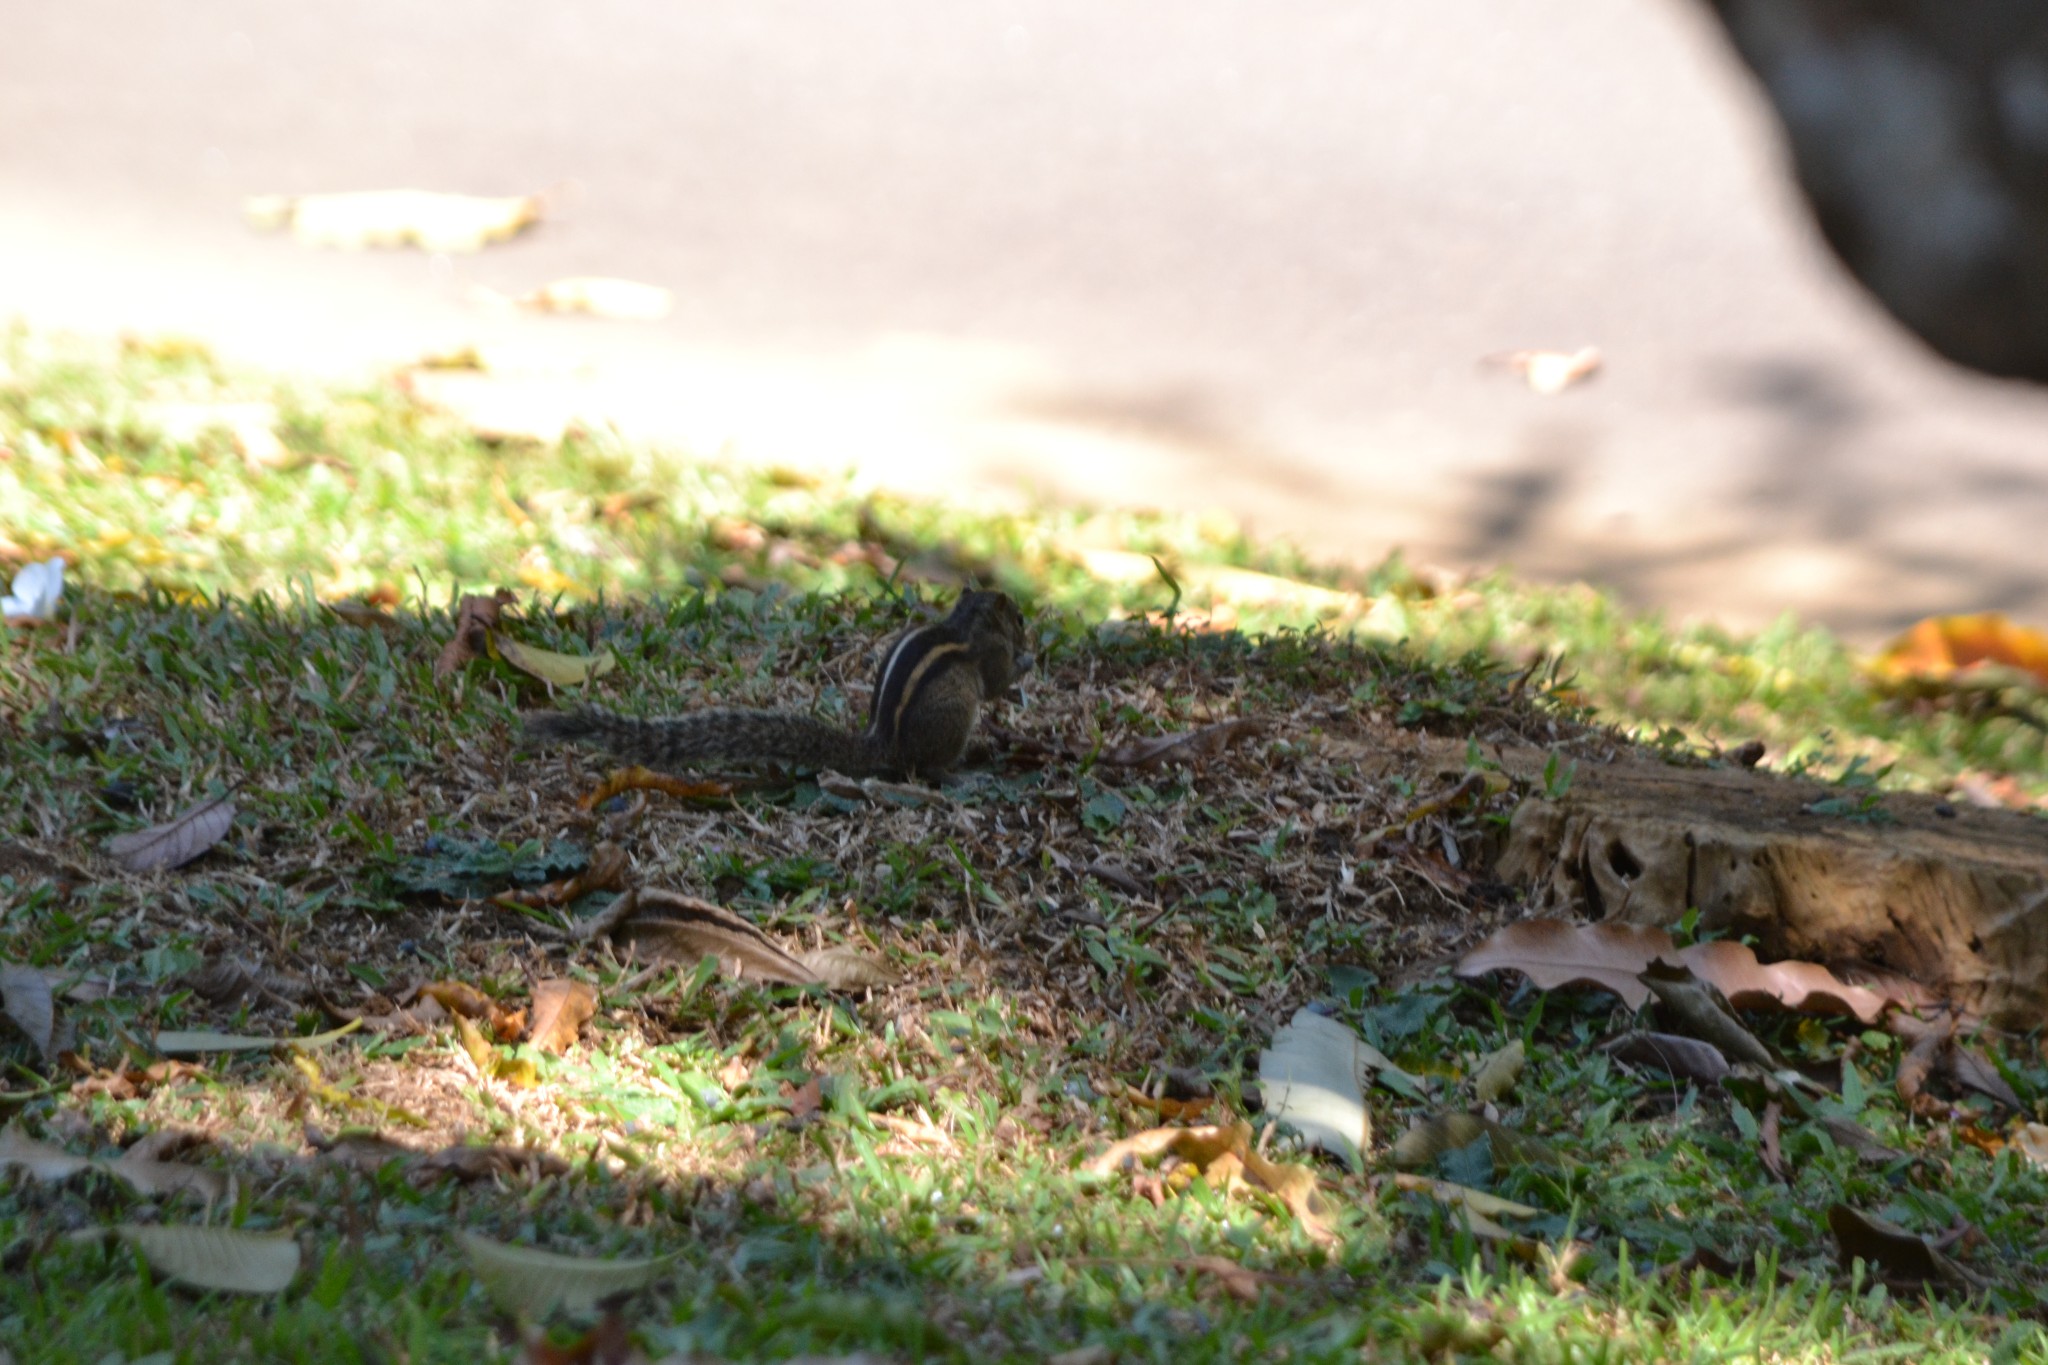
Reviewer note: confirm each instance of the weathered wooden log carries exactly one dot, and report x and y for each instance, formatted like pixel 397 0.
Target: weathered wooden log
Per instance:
pixel 1954 897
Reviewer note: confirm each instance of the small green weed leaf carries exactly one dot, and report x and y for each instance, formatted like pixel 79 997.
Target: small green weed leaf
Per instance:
pixel 1104 811
pixel 474 869
pixel 185 1042
pixel 1499 1072
pixel 1471 1164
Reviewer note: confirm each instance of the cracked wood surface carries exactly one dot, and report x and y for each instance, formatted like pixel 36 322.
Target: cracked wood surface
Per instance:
pixel 1953 897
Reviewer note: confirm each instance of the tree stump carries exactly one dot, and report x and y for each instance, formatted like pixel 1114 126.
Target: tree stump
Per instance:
pixel 1954 898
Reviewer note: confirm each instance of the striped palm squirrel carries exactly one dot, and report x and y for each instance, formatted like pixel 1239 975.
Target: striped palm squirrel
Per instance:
pixel 928 693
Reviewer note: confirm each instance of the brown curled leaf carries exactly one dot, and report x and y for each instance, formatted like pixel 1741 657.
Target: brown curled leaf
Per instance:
pixel 475 617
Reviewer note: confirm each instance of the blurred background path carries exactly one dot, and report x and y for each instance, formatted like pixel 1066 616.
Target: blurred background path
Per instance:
pixel 1197 255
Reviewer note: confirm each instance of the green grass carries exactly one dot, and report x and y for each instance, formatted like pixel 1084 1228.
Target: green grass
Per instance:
pixel 369 490
pixel 194 656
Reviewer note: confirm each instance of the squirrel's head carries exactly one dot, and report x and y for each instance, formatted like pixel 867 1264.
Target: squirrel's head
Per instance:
pixel 994 630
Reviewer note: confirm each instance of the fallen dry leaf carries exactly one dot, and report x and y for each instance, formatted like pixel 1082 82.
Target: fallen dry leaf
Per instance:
pixel 499 1066
pixel 1901 1256
pixel 225 1259
pixel 1313 1077
pixel 1697 1010
pixel 1804 987
pixel 1223 1153
pixel 1555 953
pixel 1188 747
pixel 1984 649
pixel 177 841
pixel 466 1001
pixel 27 999
pixel 560 1009
pixel 1935 1050
pixel 558 670
pixel 475 617
pixel 637 778
pixel 1552 372
pixel 599 296
pixel 1680 1057
pixel 1240 1283
pixel 138 1167
pixel 685 930
pixel 1499 1072
pixel 1433 1136
pixel 1479 1201
pixel 532 1284
pixel 388 218
pixel 360 613
pixel 606 872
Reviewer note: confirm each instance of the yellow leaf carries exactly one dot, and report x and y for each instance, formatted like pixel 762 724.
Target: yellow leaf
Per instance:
pixel 563 670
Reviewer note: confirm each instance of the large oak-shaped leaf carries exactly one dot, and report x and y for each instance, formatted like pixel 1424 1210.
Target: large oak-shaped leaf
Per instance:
pixel 1555 953
pixel 1805 987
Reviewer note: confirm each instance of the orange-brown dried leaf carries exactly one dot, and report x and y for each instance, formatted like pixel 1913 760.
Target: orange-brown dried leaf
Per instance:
pixel 1947 649
pixel 803 1100
pixel 1917 1066
pixel 561 1007
pixel 1167 1107
pixel 1200 1145
pixel 637 778
pixel 1556 953
pixel 1295 1186
pixel 460 998
pixel 1803 987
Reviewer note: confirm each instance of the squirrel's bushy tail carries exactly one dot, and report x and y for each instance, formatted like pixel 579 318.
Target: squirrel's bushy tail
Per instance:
pixel 723 734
